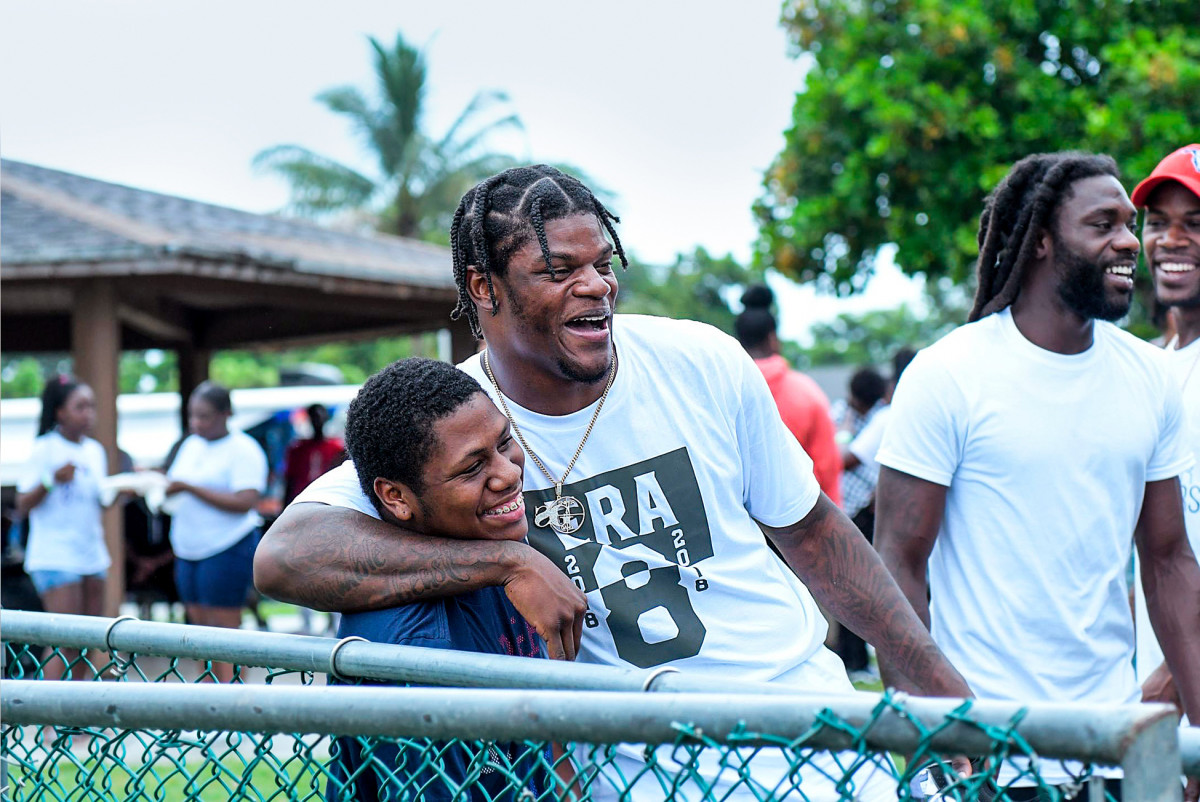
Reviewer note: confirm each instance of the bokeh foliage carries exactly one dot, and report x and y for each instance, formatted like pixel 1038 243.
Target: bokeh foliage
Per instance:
pixel 914 109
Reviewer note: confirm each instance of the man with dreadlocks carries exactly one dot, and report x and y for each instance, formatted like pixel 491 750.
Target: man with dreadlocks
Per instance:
pixel 1028 448
pixel 657 453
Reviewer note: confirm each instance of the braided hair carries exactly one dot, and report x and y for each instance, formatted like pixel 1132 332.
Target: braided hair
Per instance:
pixel 1017 212
pixel 500 214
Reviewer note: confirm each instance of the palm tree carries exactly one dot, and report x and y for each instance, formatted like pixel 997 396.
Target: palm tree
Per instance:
pixel 420 178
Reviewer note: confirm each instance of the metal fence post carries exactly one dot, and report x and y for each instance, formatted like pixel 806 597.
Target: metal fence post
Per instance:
pixel 1152 763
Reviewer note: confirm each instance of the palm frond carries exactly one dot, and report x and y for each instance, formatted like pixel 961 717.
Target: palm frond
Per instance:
pixel 401 75
pixel 317 184
pixel 478 104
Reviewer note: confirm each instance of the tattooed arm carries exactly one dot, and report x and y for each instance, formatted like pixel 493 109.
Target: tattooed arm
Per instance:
pixel 908 514
pixel 847 577
pixel 334 558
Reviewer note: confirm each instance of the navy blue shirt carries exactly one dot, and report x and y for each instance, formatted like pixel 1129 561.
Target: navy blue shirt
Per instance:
pixel 482 621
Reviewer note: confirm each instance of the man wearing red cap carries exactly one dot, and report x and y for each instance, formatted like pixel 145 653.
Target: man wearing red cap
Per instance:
pixel 1170 197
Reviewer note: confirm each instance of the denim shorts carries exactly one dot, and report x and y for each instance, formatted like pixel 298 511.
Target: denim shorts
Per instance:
pixel 221 580
pixel 49 580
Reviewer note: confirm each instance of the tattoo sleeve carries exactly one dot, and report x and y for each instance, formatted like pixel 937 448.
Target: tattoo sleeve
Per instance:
pixel 847 576
pixel 329 558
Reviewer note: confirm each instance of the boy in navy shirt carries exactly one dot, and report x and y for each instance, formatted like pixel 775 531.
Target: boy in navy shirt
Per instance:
pixel 434 455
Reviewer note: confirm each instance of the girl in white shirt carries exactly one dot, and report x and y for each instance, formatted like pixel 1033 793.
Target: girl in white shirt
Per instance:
pixel 218 476
pixel 66 557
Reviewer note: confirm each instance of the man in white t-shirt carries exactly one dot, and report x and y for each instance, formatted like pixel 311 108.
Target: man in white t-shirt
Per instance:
pixel 655 454
pixel 1026 447
pixel 1171 239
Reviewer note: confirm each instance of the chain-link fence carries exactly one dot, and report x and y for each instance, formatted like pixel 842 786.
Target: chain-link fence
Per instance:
pixel 545 731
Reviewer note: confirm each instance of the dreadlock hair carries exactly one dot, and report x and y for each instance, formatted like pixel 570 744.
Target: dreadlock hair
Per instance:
pixel 54 395
pixel 499 215
pixel 389 424
pixel 755 323
pixel 1017 212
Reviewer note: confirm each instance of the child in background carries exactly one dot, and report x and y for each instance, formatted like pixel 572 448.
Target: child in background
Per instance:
pixel 59 492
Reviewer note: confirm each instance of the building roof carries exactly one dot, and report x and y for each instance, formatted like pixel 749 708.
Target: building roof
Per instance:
pixel 52 217
pixel 186 272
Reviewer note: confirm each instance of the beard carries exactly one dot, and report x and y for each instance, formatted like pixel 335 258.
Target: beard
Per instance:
pixel 570 370
pixel 576 372
pixel 1081 287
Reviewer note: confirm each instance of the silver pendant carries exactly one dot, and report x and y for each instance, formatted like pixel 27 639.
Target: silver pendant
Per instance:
pixel 564 515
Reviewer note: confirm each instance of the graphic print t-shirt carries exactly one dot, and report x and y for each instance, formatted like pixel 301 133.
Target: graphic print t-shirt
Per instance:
pixel 687 453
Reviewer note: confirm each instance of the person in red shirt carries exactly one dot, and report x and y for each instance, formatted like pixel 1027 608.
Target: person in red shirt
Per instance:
pixel 802 404
pixel 307 459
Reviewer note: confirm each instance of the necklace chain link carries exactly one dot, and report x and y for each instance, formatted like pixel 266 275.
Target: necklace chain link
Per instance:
pixel 558 483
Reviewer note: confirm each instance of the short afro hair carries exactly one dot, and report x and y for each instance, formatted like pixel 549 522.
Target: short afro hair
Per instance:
pixel 389 424
pixel 868 386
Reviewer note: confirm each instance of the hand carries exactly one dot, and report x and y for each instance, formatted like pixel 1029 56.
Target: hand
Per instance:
pixel 1160 687
pixel 1191 791
pixel 65 474
pixel 177 486
pixel 550 602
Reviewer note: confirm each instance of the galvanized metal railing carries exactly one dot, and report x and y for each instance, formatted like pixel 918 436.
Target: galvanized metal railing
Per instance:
pixel 693 716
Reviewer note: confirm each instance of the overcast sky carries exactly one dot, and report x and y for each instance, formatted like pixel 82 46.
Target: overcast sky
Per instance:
pixel 678 109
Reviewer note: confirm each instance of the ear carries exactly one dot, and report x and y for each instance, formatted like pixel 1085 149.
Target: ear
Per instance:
pixel 397 498
pixel 477 289
pixel 1045 245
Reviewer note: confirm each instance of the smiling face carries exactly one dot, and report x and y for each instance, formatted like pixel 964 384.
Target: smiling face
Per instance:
pixel 471 481
pixel 1171 237
pixel 557 319
pixel 1095 249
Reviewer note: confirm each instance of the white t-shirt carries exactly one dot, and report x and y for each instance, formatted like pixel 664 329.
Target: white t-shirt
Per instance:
pixel 688 451
pixel 65 530
pixel 1046 457
pixel 1182 363
pixel 235 462
pixel 866 444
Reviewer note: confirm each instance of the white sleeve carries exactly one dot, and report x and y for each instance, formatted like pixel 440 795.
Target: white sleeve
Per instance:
pixel 31 473
pixel 779 488
pixel 338 488
pixel 866 445
pixel 250 468
pixel 926 428
pixel 1172 453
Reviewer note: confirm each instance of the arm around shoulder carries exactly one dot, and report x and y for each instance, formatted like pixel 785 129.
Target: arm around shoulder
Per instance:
pixel 333 558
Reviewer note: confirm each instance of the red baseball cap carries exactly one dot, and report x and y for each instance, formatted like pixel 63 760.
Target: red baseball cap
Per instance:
pixel 1183 166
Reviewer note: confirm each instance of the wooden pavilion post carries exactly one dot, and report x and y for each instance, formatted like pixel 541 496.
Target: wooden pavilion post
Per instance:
pixel 193 371
pixel 96 352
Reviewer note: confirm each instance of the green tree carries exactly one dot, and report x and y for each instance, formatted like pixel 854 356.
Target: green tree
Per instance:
pixel 914 109
pixel 420 178
pixel 695 286
pixel 870 338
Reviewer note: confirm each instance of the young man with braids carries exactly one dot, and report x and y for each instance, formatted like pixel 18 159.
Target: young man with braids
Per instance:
pixel 1170 196
pixel 655 454
pixel 1028 448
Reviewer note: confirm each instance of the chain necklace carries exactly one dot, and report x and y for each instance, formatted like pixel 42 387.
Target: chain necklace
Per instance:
pixel 564 514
